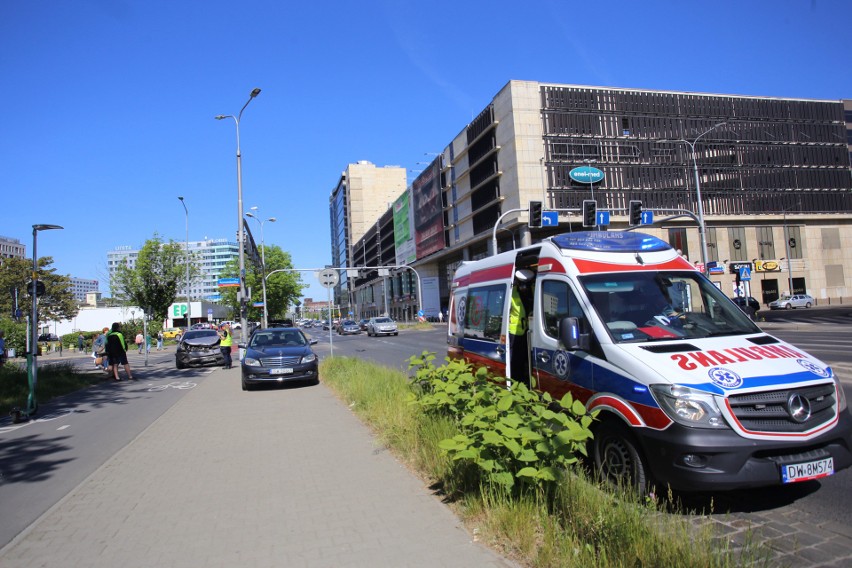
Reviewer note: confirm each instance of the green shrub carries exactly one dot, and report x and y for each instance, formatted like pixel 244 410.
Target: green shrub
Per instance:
pixel 518 438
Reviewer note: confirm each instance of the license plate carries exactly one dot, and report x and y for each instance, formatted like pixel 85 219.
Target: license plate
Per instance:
pixel 284 371
pixel 808 470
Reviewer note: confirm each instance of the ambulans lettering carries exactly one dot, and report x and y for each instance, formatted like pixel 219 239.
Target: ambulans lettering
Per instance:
pixel 703 359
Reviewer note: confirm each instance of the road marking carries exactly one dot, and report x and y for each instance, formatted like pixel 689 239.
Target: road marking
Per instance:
pixel 63 427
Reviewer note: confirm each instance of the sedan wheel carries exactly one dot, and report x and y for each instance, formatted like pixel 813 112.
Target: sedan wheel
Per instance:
pixel 808 305
pixel 788 306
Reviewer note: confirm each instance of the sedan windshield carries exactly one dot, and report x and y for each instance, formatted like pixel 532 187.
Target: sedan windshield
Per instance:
pixel 652 306
pixel 276 338
pixel 383 320
pixel 195 334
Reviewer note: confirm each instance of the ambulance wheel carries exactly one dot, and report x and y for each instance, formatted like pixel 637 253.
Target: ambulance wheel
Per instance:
pixel 619 460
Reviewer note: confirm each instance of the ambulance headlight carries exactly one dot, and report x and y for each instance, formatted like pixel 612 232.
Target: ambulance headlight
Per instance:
pixel 688 406
pixel 841 396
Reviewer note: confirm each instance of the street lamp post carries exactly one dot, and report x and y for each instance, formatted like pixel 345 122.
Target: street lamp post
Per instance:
pixel 240 232
pixel 265 318
pixel 188 301
pixel 32 355
pixel 702 230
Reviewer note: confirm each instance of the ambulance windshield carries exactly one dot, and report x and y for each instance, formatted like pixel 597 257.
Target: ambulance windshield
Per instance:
pixel 656 306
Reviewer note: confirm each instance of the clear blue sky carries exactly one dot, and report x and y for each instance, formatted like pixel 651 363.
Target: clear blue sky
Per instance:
pixel 108 105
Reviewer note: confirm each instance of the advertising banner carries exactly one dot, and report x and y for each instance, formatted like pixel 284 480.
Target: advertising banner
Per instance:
pixel 402 224
pixel 428 211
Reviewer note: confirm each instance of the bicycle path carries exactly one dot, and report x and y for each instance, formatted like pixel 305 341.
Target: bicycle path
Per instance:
pixel 285 477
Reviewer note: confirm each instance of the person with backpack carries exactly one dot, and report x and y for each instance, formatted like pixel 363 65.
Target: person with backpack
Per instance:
pixel 116 349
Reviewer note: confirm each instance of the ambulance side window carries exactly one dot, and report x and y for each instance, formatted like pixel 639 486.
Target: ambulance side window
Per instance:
pixel 557 302
pixel 484 312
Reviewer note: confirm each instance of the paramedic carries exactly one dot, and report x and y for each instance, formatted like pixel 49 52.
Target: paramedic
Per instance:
pixel 518 347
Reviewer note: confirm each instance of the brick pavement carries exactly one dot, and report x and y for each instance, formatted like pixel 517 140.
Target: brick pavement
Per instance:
pixel 268 478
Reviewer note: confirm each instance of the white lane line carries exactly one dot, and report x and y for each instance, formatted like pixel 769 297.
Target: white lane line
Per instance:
pixel 63 427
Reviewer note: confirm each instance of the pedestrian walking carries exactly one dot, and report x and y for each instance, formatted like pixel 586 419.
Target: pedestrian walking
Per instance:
pixel 117 351
pixel 225 342
pixel 159 341
pixel 99 350
pixel 139 341
pixel 440 316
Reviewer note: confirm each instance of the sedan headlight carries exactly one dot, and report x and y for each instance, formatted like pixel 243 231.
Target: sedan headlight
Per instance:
pixel 689 407
pixel 251 362
pixel 310 358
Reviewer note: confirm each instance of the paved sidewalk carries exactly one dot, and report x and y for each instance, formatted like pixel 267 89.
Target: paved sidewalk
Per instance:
pixel 267 478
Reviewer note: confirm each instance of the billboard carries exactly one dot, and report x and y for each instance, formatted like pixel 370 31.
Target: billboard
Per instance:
pixel 428 212
pixel 402 224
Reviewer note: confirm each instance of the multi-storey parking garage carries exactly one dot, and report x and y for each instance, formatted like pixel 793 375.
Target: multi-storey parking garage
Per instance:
pixel 773 176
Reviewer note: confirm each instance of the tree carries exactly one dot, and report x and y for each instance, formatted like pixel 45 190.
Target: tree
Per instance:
pixel 153 283
pixel 282 290
pixel 57 303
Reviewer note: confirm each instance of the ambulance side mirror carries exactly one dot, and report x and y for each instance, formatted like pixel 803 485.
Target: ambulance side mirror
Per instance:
pixel 570 336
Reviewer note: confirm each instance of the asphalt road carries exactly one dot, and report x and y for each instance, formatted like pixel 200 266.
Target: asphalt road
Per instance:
pixel 41 461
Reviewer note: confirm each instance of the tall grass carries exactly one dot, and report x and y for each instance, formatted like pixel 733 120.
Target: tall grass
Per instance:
pixel 578 525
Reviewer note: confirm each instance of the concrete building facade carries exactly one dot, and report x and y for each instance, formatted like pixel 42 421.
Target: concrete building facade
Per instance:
pixel 773 175
pixel 12 248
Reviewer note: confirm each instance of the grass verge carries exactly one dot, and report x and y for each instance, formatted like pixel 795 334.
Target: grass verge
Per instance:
pixel 578 525
pixel 55 379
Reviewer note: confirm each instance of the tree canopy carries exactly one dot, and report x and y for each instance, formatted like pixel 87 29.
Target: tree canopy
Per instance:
pixel 153 283
pixel 283 289
pixel 57 303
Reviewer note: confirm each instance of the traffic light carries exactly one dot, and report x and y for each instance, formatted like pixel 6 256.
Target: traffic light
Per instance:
pixel 535 213
pixel 635 216
pixel 590 212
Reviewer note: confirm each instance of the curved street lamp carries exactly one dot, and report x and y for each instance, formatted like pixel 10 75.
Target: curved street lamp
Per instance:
pixel 265 319
pixel 186 253
pixel 32 352
pixel 240 233
pixel 702 230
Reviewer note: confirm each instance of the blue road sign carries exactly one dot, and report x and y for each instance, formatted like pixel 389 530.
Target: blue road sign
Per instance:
pixel 549 218
pixel 745 273
pixel 603 217
pixel 647 217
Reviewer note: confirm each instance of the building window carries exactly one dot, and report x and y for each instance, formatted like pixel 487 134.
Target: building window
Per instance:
pixel 736 238
pixel 677 238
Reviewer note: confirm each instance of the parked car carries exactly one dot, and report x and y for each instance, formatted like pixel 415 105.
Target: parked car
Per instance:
pixel 347 327
pixel 232 324
pixel 203 325
pixel 787 302
pixel 48 337
pixel 381 326
pixel 172 333
pixel 199 347
pixel 278 355
pixel 749 305
pixel 363 324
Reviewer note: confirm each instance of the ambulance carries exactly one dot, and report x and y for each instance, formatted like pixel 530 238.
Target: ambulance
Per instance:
pixel 691 393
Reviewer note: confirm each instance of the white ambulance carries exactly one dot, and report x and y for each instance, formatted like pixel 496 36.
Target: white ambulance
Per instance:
pixel 691 393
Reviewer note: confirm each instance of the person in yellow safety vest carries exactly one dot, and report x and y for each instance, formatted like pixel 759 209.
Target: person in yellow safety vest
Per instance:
pixel 519 351
pixel 225 343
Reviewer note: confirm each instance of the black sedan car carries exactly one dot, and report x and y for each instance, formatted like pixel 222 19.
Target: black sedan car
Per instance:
pixel 348 327
pixel 278 355
pixel 199 347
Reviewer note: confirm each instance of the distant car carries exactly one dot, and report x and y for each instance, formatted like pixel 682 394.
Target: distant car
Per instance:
pixel 795 301
pixel 172 333
pixel 278 355
pixel 199 347
pixel 232 324
pixel 48 337
pixel 363 324
pixel 203 325
pixel 381 326
pixel 325 325
pixel 347 327
pixel 749 305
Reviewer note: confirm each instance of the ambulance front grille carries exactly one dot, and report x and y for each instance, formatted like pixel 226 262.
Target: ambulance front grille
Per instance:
pixel 774 411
